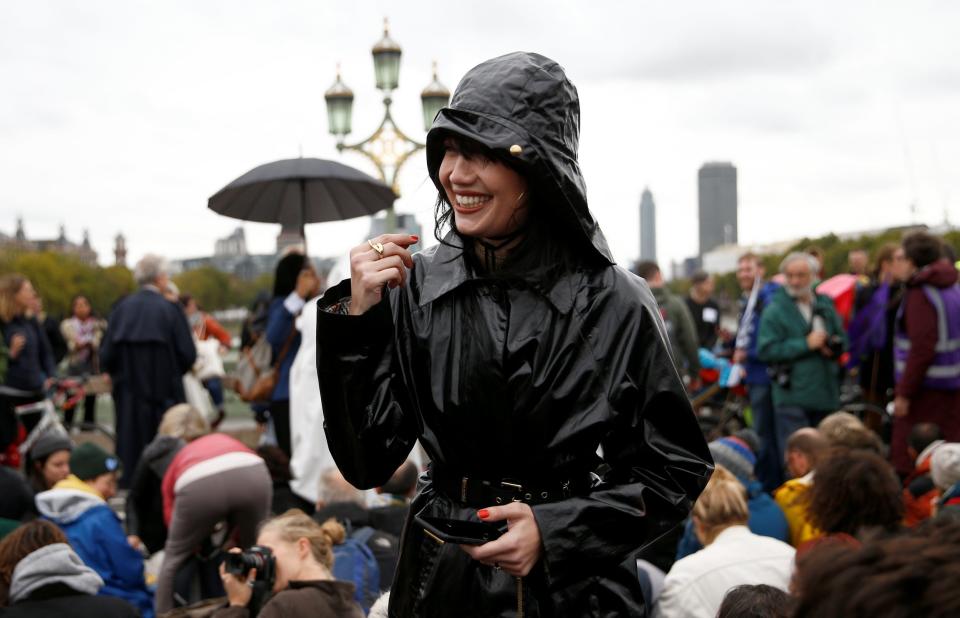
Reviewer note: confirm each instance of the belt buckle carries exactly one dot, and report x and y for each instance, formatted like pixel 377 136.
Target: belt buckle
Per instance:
pixel 516 487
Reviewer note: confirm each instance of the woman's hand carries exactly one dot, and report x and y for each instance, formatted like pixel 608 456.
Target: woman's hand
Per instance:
pixel 519 548
pixel 16 345
pixel 370 271
pixel 239 590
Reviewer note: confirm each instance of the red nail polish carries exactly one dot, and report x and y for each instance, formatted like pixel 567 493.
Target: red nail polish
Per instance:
pixel 414 238
pixel 483 513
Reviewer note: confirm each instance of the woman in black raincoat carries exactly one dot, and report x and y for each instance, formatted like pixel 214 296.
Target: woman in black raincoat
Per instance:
pixel 534 371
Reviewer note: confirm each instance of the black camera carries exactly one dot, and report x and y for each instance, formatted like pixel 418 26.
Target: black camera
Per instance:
pixel 780 375
pixel 257 557
pixel 835 345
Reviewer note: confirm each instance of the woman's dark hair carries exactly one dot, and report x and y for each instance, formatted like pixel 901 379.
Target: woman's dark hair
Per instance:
pixel 855 491
pixel 285 277
pixel 548 239
pixel 755 601
pixel 913 574
pixel 33 471
pixel 73 304
pixel 922 248
pixel 19 544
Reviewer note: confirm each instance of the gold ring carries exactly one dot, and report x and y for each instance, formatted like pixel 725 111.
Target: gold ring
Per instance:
pixel 378 247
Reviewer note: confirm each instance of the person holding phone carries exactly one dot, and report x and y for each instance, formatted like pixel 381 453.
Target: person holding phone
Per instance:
pixel 534 371
pixel 30 365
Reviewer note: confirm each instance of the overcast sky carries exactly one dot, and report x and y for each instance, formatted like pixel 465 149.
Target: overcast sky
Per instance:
pixel 125 116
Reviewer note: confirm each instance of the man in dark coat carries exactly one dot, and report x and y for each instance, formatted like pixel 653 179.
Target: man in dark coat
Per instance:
pixel 146 350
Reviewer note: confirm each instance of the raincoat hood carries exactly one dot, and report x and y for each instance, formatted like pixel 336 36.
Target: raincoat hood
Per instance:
pixel 52 564
pixel 523 104
pixel 68 500
pixel 940 274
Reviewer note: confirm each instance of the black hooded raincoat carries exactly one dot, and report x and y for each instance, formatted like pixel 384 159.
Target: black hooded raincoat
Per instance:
pixel 518 380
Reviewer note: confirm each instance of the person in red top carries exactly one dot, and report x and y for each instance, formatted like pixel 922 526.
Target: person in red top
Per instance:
pixel 212 479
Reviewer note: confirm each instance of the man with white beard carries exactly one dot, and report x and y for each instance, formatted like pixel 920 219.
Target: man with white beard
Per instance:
pixel 801 338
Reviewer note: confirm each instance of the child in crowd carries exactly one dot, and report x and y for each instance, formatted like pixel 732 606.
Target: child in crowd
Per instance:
pixel 78 504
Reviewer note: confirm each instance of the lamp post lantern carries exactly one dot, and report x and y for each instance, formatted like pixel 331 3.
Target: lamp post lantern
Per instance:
pixel 388 148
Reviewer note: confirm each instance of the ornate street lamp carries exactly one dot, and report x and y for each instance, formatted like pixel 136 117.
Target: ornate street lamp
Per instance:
pixel 388 147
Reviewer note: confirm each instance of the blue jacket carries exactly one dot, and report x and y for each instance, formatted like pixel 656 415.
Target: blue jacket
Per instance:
pixel 755 368
pixel 95 533
pixel 766 519
pixel 279 323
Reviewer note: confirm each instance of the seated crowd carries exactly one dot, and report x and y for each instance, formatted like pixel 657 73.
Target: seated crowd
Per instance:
pixel 195 497
pixel 843 536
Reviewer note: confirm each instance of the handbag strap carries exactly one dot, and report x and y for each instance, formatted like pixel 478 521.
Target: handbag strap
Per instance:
pixel 286 347
pixel 248 354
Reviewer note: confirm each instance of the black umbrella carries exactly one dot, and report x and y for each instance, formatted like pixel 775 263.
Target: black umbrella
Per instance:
pixel 294 192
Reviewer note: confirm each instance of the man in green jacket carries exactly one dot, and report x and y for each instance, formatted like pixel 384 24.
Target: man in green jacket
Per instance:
pixel 801 338
pixel 679 323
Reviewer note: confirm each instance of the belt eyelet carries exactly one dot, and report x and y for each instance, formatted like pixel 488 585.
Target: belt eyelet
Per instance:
pixel 499 500
pixel 527 497
pixel 543 495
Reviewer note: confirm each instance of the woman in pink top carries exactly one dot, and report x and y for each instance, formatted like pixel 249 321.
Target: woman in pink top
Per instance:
pixel 212 479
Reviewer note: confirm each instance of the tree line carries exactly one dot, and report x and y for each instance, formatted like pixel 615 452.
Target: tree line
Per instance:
pixel 60 277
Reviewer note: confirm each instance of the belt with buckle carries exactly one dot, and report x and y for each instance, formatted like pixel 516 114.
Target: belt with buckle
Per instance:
pixel 481 492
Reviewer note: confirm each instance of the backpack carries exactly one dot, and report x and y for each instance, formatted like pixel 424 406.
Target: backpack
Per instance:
pixel 353 561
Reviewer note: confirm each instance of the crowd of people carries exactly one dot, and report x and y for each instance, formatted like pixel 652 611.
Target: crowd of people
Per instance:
pixel 514 380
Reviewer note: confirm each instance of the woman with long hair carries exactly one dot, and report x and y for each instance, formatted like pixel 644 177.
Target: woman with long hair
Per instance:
pixel 30 364
pixel 295 282
pixel 533 370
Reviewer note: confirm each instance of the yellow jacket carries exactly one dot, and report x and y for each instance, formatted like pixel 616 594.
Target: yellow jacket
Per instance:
pixel 792 498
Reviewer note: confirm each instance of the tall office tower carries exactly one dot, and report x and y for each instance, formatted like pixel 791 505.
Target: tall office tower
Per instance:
pixel 648 227
pixel 717 183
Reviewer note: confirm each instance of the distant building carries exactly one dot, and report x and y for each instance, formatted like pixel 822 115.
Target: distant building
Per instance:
pixel 234 245
pixel 120 251
pixel 290 237
pixel 648 227
pixel 230 256
pixel 717 197
pixel 82 250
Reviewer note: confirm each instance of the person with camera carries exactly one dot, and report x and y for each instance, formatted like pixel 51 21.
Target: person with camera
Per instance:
pixel 293 559
pixel 213 478
pixel 801 338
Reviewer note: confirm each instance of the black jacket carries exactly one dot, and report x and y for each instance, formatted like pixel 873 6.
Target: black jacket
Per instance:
pixel 35 362
pixel 58 600
pixel 144 509
pixel 519 379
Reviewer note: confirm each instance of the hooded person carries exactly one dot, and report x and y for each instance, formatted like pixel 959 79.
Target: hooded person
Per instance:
pixel 513 350
pixel 78 505
pixel 737 453
pixel 41 577
pixel 926 347
pixel 945 471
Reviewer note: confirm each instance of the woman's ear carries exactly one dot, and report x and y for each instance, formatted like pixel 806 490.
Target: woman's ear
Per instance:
pixel 303 547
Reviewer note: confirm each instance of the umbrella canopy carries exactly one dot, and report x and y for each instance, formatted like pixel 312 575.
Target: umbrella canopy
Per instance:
pixel 294 192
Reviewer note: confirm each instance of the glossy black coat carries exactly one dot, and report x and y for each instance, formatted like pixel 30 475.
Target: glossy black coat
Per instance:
pixel 518 379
